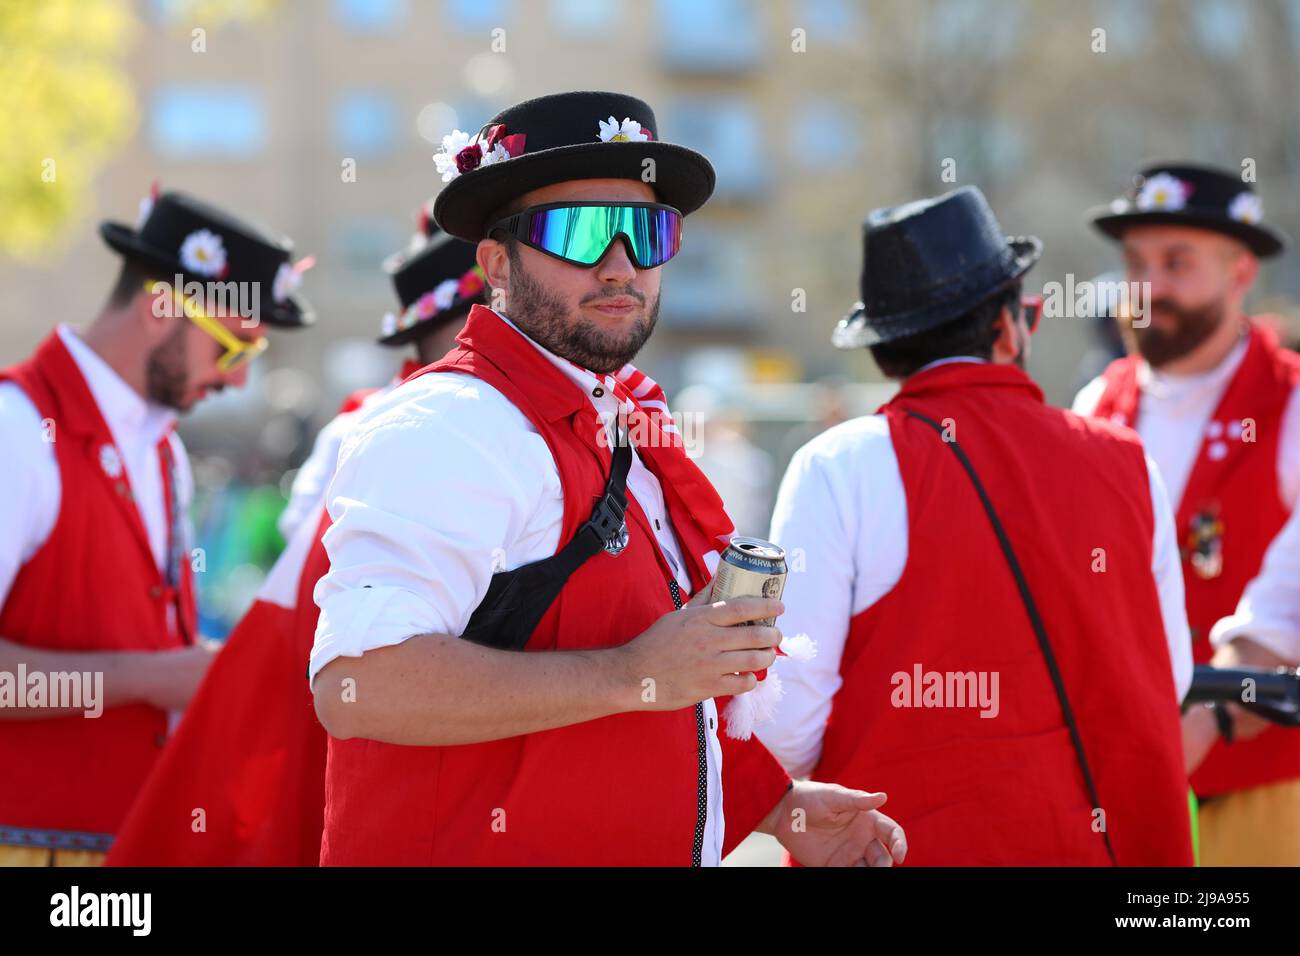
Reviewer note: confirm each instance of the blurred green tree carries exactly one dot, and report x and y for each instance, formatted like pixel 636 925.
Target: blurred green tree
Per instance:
pixel 65 105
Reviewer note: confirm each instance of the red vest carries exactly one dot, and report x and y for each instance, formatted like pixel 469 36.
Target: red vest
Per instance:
pixel 1235 482
pixel 622 790
pixel 1007 789
pixel 93 586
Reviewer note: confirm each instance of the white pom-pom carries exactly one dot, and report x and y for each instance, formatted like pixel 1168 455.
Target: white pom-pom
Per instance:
pixel 746 711
pixel 799 647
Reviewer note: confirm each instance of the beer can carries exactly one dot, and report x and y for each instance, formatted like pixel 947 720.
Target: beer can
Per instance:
pixel 750 567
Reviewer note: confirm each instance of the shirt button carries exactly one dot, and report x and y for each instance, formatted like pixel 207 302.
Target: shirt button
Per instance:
pixel 657 528
pixel 598 391
pixel 160 740
pixel 155 591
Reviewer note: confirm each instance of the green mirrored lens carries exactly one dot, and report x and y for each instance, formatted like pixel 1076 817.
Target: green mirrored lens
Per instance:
pixel 581 234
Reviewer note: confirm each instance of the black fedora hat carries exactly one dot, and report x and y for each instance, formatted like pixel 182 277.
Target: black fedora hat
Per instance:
pixel 928 262
pixel 556 138
pixel 1188 194
pixel 179 234
pixel 436 281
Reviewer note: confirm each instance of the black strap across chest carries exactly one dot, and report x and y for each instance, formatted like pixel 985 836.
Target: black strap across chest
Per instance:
pixel 1035 619
pixel 517 600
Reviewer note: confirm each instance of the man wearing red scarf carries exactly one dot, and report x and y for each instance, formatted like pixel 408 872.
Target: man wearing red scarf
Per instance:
pixel 503 660
pixel 1216 400
pixel 992 583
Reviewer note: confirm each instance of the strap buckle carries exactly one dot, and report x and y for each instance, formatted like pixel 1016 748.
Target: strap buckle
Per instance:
pixel 607 516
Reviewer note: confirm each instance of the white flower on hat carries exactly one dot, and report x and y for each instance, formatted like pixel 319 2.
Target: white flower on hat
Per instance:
pixel 389 325
pixel 202 252
pixel 287 280
pixel 445 160
pixel 495 155
pixel 146 207
pixel 629 131
pixel 444 293
pixel 1246 207
pixel 1162 191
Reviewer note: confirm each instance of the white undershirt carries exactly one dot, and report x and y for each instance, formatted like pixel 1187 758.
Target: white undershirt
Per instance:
pixel 440 483
pixel 843 503
pixel 30 490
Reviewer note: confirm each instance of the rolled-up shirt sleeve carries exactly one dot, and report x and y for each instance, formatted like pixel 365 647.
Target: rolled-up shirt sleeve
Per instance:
pixel 438 486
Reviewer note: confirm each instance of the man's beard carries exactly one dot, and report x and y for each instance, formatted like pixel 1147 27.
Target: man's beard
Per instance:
pixel 1191 328
pixel 545 318
pixel 165 372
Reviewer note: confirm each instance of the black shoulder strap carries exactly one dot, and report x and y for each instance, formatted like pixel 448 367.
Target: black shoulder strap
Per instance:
pixel 1035 619
pixel 517 600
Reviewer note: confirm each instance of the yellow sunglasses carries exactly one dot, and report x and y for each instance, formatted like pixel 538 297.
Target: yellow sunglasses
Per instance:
pixel 238 351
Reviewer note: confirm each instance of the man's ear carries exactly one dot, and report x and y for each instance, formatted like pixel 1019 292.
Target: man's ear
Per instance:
pixel 1006 346
pixel 1245 269
pixel 494 260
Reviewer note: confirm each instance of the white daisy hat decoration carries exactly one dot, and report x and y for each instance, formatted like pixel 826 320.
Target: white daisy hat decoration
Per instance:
pixel 203 253
pixel 628 131
pixel 289 277
pixel 461 153
pixel 444 293
pixel 1162 191
pixel 1246 207
pixel 389 324
pixel 445 160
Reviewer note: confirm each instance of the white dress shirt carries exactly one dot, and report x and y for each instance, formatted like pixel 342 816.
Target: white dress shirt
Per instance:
pixel 30 490
pixel 441 483
pixel 842 502
pixel 1174 412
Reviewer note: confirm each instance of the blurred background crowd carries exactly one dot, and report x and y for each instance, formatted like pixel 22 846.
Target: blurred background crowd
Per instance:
pixel 263 106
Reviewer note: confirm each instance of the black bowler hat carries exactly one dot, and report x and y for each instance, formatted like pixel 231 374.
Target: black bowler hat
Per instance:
pixel 180 234
pixel 556 138
pixel 1185 194
pixel 928 262
pixel 436 281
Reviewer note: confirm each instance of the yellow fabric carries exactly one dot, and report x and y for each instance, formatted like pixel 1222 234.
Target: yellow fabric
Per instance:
pixel 1257 827
pixel 38 856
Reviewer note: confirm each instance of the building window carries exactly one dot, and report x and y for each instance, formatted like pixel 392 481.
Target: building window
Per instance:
pixel 1220 27
pixel 977 29
pixel 585 18
pixel 470 15
pixel 987 150
pixel 713 257
pixel 709 36
pixel 1128 26
pixel 370 16
pixel 833 21
pixel 827 134
pixel 729 132
pixel 365 123
pixel 207 122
